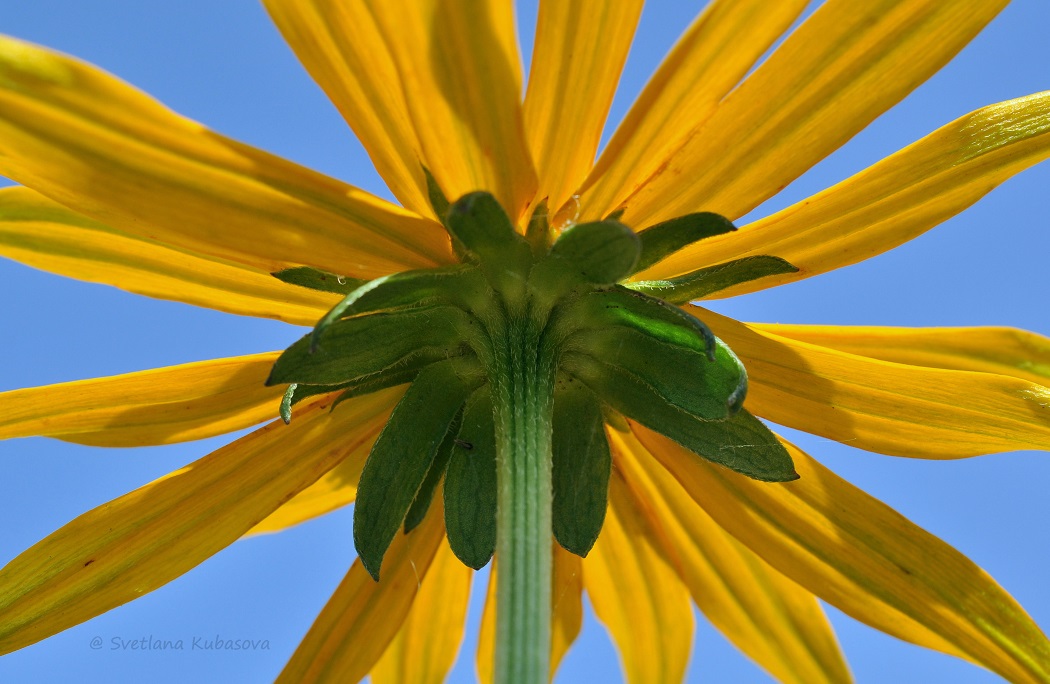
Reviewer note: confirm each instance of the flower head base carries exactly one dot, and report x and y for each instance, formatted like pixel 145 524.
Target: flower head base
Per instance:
pixel 592 348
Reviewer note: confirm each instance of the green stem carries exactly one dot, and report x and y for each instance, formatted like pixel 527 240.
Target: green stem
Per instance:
pixel 523 398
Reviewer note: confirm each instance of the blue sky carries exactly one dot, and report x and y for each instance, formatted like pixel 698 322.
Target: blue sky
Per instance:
pixel 224 64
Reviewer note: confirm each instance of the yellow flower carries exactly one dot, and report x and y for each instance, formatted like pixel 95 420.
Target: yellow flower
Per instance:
pixel 117 189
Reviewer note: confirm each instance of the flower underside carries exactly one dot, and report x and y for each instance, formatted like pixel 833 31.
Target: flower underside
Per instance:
pixel 598 348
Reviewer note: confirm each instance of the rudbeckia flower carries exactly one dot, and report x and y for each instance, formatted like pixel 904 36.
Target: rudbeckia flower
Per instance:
pixel 527 321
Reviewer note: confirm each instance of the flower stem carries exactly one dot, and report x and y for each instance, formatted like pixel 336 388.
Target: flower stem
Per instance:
pixel 523 398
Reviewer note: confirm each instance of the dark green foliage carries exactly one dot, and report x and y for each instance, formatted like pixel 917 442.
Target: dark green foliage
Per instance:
pixel 581 465
pixel 664 239
pixel 401 457
pixel 316 279
pixel 470 484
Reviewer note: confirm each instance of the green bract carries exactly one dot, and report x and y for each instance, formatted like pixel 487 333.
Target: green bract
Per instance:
pixel 532 337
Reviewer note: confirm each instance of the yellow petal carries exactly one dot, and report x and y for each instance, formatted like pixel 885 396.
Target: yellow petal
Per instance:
pixel 363 616
pixel 778 624
pixel 106 150
pixel 636 593
pixel 890 408
pixel 579 53
pixel 566 604
pixel 891 202
pixel 847 64
pixel 485 658
pixel 866 559
pixel 426 646
pixel 160 406
pixel 720 47
pixel 339 44
pixel 1003 351
pixel 45 235
pixel 337 487
pixel 144 539
pixel 460 72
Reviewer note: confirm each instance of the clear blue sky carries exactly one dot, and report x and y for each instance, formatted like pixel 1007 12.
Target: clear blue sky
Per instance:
pixel 224 64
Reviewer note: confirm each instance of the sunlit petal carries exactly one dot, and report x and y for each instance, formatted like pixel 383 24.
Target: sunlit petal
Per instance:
pixel 1003 351
pixel 847 64
pixel 576 63
pixel 106 150
pixel 44 234
pixel 778 624
pixel 339 44
pixel 889 203
pixel 427 643
pixel 636 593
pixel 363 616
pixel 891 408
pixel 460 70
pixel 337 487
pixel 866 559
pixel 160 406
pixel 144 539
pixel 720 47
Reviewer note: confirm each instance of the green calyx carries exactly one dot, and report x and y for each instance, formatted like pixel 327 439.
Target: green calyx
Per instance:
pixel 531 337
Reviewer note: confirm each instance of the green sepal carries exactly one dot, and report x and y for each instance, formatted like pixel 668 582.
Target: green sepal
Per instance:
pixel 616 214
pixel 391 377
pixel 358 347
pixel 458 283
pixel 664 239
pixel 479 222
pixel 316 279
pixel 657 319
pixel 580 469
pixel 436 196
pixel 537 233
pixel 601 252
pixel 470 484
pixel 741 442
pixel 685 379
pixel 707 281
pixel 402 456
pixel 421 504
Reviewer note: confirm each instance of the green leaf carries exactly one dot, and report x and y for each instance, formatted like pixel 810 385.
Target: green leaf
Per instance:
pixel 358 347
pixel 707 281
pixel 602 252
pixel 316 279
pixel 470 484
pixel 638 311
pixel 741 443
pixel 664 239
pixel 421 504
pixel 581 465
pixel 455 284
pixel 401 456
pixel 685 379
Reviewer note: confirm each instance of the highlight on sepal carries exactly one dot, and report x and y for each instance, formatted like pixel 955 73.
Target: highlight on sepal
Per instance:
pixel 740 442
